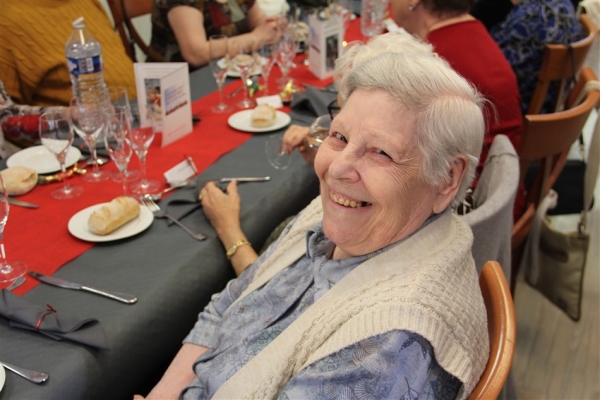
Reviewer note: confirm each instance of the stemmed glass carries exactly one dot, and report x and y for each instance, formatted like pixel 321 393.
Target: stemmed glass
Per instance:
pixel 277 157
pixel 318 131
pixel 286 51
pixel 217 46
pixel 56 133
pixel 244 58
pixel 9 270
pixel 266 55
pixel 87 116
pixel 116 142
pixel 140 138
pixel 343 8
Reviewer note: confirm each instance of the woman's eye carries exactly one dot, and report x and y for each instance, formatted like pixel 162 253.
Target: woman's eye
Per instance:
pixel 378 151
pixel 338 135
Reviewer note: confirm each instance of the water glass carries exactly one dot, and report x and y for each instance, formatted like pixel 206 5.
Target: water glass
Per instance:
pixel 219 65
pixel 9 270
pixel 116 141
pixel 243 56
pixel 372 16
pixel 266 56
pixel 56 134
pixel 141 136
pixel 318 131
pixel 277 157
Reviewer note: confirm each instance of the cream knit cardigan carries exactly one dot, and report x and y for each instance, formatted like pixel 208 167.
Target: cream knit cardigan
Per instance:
pixel 427 284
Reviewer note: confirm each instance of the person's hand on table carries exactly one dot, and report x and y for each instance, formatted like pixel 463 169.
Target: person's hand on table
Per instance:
pixel 223 212
pixel 295 137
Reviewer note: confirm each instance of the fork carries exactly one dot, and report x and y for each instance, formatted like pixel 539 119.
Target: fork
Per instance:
pixel 147 201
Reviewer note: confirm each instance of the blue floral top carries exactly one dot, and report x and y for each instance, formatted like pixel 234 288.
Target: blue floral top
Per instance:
pixel 529 26
pixel 397 364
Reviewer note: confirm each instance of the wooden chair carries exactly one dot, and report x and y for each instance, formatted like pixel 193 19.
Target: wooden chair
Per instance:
pixel 547 138
pixel 502 329
pixel 123 11
pixel 558 66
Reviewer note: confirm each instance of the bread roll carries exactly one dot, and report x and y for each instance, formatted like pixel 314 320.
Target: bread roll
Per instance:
pixel 263 115
pixel 113 215
pixel 19 180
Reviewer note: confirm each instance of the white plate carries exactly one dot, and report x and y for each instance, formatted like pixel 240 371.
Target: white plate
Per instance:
pixel 2 377
pixel 78 225
pixel 242 121
pixel 233 72
pixel 41 159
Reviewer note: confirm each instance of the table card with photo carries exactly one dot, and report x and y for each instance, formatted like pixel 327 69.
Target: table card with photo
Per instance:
pixel 326 37
pixel 163 91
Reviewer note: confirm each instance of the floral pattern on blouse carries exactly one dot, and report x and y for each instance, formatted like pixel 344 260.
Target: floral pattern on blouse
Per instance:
pixel 529 26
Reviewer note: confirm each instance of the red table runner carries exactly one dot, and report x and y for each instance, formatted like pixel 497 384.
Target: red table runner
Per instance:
pixel 40 237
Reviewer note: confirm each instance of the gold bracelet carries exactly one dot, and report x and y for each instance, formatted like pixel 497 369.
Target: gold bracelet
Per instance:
pixel 231 251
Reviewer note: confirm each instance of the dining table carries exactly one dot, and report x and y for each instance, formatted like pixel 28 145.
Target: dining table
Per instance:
pixel 172 275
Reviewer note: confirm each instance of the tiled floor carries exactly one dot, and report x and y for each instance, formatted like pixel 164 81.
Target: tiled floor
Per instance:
pixel 555 357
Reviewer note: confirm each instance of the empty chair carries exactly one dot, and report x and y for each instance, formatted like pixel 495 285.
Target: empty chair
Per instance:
pixel 492 217
pixel 547 138
pixel 501 328
pixel 123 11
pixel 559 66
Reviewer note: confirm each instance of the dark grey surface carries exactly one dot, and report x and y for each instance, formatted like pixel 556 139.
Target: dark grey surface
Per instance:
pixel 172 275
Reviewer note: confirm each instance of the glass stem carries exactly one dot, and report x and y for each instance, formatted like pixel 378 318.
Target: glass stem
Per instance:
pixel 94 155
pixel 4 266
pixel 142 156
pixel 266 79
pixel 247 89
pixel 220 85
pixel 63 172
pixel 124 173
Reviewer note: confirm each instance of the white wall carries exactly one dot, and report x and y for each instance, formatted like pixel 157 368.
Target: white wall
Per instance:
pixel 142 24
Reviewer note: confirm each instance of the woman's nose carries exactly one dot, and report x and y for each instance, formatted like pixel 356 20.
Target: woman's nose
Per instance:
pixel 344 166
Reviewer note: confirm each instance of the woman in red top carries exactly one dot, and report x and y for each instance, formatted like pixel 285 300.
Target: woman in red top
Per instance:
pixel 465 43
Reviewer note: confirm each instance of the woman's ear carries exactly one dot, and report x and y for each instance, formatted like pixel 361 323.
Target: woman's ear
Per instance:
pixel 447 191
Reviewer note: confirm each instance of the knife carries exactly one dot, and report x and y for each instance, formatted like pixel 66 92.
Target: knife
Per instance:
pixel 52 280
pixel 21 203
pixel 246 179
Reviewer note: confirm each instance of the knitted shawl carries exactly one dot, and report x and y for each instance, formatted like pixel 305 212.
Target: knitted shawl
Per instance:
pixel 427 284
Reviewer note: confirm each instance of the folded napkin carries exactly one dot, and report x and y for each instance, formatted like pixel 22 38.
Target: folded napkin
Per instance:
pixel 313 99
pixel 52 323
pixel 187 199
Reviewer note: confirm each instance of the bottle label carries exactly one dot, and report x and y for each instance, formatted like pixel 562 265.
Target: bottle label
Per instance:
pixel 87 65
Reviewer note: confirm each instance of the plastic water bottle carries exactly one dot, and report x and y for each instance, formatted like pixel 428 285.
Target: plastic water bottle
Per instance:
pixel 371 17
pixel 84 59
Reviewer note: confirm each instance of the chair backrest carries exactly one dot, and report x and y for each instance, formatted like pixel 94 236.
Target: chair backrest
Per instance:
pixel 491 220
pixel 123 11
pixel 547 138
pixel 501 328
pixel 559 66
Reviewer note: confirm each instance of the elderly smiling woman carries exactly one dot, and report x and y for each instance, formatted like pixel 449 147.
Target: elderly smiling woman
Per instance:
pixel 371 292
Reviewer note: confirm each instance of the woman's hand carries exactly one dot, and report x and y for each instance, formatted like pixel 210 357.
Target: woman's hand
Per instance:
pixel 269 31
pixel 295 138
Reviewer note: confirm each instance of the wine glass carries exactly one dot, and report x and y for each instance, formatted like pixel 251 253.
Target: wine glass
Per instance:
pixel 87 116
pixel 286 51
pixel 56 134
pixel 343 8
pixel 277 157
pixel 266 55
pixel 117 96
pixel 219 65
pixel 126 175
pixel 243 56
pixel 318 131
pixel 116 142
pixel 141 137
pixel 9 270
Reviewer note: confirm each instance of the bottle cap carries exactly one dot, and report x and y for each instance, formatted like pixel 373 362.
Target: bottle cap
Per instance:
pixel 78 23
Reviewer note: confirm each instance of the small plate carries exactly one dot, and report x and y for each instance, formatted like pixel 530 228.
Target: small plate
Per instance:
pixel 78 225
pixel 41 159
pixel 232 71
pixel 2 377
pixel 241 121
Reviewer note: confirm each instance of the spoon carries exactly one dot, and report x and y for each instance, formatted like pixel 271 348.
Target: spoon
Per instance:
pixel 249 82
pixel 90 162
pixel 33 376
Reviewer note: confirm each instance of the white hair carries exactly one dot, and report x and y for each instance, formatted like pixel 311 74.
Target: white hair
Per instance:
pixel 448 110
pixel 356 53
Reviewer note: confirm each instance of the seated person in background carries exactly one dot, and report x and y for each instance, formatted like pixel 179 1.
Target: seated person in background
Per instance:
pixel 491 12
pixel 464 42
pixel 181 28
pixel 523 35
pixel 33 63
pixel 372 289
pixel 223 209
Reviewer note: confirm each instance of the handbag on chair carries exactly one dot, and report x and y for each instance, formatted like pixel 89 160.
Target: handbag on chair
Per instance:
pixel 554 258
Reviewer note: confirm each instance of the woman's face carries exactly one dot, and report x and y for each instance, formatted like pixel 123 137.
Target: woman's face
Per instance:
pixel 370 173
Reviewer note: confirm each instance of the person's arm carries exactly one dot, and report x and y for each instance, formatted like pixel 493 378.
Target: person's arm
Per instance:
pixel 392 365
pixel 223 212
pixel 188 26
pixel 179 374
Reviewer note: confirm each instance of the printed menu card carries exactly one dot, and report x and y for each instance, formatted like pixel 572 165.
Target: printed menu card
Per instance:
pixel 163 91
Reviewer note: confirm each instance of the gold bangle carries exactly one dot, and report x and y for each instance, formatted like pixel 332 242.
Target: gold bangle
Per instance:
pixel 231 251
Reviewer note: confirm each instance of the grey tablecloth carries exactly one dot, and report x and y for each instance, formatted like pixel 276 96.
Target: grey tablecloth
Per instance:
pixel 172 275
